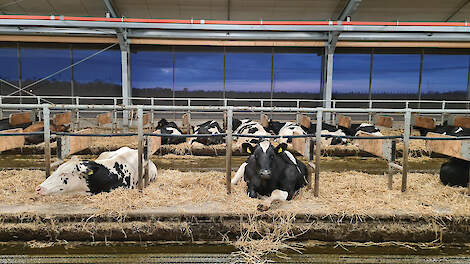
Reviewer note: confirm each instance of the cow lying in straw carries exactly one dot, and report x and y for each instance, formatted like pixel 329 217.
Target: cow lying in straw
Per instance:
pixel 109 171
pixel 271 171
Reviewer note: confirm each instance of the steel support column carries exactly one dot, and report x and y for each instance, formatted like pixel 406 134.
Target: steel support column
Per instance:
pixel 124 45
pixel 126 81
pixel 327 65
pixel 327 87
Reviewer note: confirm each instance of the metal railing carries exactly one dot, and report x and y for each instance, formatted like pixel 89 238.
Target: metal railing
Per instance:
pixel 143 138
pixel 261 102
pixel 243 102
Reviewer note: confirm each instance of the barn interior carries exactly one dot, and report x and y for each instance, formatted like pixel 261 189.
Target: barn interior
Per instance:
pixel 111 70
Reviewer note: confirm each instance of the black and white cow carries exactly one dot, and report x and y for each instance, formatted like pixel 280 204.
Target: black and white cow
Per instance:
pixel 271 171
pixel 210 127
pixel 284 129
pixel 109 171
pixel 444 129
pixel 452 131
pixel 455 172
pixel 170 128
pixel 364 127
pixel 334 134
pixel 248 127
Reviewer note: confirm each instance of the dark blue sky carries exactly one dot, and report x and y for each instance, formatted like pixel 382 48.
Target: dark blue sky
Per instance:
pixel 245 71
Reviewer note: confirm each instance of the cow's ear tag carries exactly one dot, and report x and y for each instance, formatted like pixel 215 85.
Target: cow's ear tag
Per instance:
pixel 248 150
pixel 279 150
pixel 90 172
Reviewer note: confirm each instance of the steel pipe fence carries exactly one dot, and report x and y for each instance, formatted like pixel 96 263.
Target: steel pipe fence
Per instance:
pixel 144 142
pixel 243 102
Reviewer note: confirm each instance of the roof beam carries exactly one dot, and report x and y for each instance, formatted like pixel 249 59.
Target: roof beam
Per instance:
pixel 120 32
pixel 237 35
pixel 347 11
pixel 111 8
pixel 283 28
pixel 457 10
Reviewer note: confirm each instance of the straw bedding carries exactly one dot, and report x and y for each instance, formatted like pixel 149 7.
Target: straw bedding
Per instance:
pixel 346 193
pixel 349 193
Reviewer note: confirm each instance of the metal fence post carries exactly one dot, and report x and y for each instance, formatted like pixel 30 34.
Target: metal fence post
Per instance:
pixel 1 110
pixel 77 102
pixel 140 150
pixel 189 111
pixel 406 143
pixel 316 187
pixel 443 107
pixel 47 140
pixel 468 184
pixel 152 101
pixel 370 114
pixel 334 113
pixel 114 128
pixel 390 176
pixel 148 141
pixel 228 151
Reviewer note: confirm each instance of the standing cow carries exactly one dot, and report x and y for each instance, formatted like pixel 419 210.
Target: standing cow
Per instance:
pixel 271 171
pixel 109 171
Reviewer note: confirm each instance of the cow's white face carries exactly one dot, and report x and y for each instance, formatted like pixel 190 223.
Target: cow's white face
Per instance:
pixel 70 177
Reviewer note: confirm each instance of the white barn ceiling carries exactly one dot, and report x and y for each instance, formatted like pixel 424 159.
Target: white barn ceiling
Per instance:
pixel 368 10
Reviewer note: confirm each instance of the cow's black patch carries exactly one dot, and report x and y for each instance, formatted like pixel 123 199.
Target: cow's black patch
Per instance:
pixel 204 129
pixel 118 167
pixel 168 128
pixel 275 126
pixel 65 180
pixel 252 130
pixel 455 172
pixel 102 179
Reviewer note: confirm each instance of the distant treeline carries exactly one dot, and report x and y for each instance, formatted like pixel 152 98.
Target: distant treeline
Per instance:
pixel 102 89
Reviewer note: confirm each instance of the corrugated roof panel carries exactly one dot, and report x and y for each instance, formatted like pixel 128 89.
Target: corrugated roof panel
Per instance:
pixel 284 10
pixel 70 8
pixel 463 14
pixel 405 10
pixel 27 7
pixel 94 7
pixel 369 10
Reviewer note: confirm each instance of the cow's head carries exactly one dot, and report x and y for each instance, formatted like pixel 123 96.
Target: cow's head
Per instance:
pixel 163 122
pixel 264 155
pixel 70 177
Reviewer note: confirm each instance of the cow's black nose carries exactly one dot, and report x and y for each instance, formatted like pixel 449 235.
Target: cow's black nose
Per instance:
pixel 265 174
pixel 252 194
